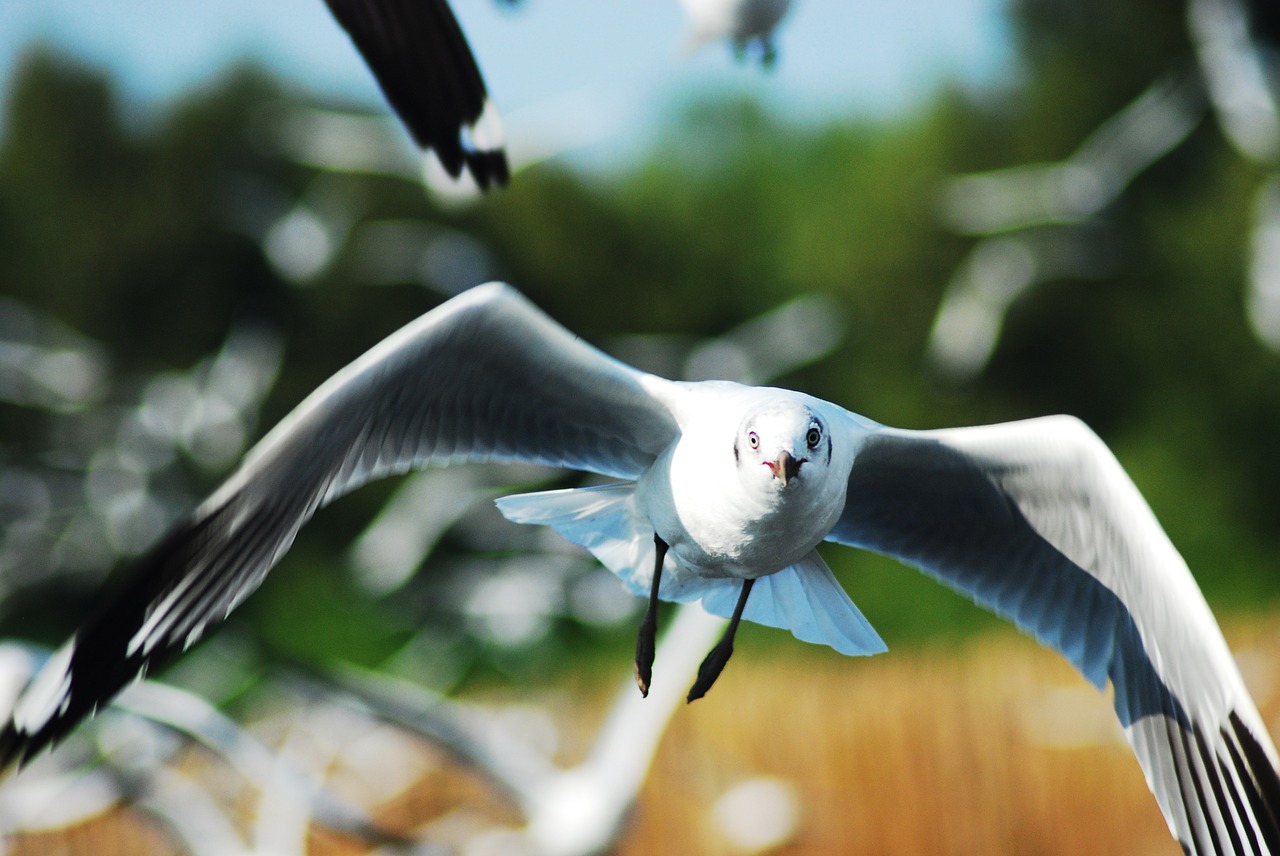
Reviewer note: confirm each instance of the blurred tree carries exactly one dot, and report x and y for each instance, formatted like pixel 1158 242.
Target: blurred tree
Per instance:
pixel 110 228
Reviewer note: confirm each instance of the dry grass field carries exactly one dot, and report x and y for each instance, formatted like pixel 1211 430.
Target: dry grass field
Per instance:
pixel 998 748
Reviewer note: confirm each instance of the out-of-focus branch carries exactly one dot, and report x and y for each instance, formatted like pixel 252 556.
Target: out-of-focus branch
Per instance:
pixel 1235 75
pixel 1091 178
pixel 1003 206
pixel 995 274
pixel 571 811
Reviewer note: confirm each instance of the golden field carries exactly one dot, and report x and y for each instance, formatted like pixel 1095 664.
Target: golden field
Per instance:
pixel 997 748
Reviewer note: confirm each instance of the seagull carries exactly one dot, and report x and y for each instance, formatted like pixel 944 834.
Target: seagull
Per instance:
pixel 425 68
pixel 722 492
pixel 745 23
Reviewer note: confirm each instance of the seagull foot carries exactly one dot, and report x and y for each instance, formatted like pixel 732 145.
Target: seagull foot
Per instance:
pixel 646 644
pixel 768 56
pixel 644 660
pixel 710 669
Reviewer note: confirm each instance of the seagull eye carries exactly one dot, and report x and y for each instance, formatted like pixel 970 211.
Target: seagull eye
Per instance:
pixel 754 439
pixel 814 437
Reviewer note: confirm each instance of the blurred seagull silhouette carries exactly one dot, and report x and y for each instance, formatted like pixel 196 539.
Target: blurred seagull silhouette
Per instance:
pixel 723 493
pixel 747 24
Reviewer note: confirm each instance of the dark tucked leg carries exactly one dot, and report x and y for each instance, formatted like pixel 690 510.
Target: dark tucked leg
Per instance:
pixel 714 663
pixel 645 640
pixel 769 53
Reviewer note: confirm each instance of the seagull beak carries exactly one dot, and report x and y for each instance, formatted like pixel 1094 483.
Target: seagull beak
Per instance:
pixel 785 467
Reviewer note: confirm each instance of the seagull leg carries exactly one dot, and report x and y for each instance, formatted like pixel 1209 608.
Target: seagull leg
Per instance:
pixel 719 655
pixel 646 639
pixel 769 53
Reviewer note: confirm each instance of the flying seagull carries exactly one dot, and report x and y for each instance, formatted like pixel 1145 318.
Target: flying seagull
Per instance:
pixel 422 62
pixel 721 493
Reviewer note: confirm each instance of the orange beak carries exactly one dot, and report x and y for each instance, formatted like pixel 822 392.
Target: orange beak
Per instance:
pixel 785 467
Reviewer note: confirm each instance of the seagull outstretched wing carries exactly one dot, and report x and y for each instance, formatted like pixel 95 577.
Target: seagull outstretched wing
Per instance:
pixel 425 68
pixel 485 376
pixel 1037 521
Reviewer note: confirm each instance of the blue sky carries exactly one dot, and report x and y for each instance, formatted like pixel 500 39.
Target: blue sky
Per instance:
pixel 612 66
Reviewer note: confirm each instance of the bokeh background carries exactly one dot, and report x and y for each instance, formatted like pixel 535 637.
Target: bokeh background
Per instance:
pixel 934 213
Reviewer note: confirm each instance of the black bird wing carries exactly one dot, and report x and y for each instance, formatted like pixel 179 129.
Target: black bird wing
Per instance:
pixel 421 59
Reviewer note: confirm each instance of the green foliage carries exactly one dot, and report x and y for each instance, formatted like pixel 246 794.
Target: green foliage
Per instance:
pixel 110 229
pixel 1086 60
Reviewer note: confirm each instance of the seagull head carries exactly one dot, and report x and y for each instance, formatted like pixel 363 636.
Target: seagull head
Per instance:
pixel 781 444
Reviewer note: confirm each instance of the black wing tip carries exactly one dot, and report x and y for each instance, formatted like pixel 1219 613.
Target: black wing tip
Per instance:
pixel 420 58
pixel 18 748
pixel 449 138
pixel 97 663
pixel 471 142
pixel 14 751
pixel 489 168
pixel 1260 778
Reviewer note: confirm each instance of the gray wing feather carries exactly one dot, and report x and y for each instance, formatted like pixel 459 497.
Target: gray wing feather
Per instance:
pixel 1038 522
pixel 485 376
